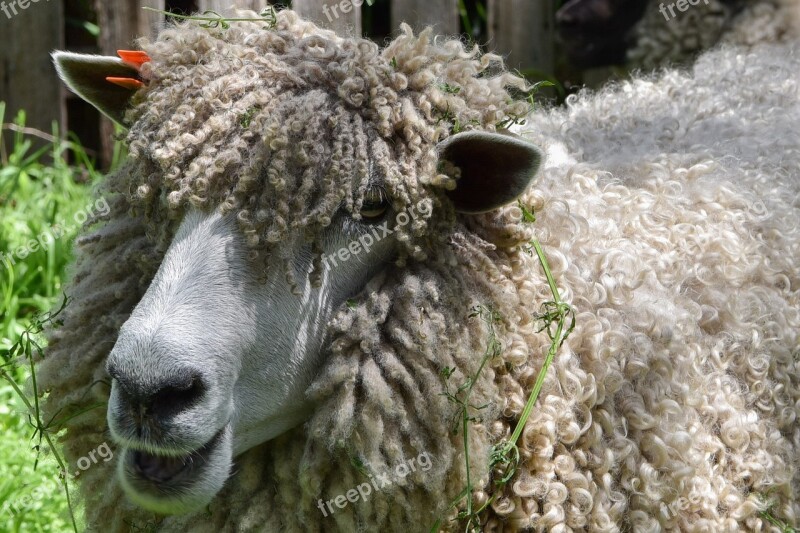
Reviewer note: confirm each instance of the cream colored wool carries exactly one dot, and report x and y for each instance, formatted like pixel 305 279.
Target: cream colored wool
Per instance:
pixel 659 42
pixel 668 211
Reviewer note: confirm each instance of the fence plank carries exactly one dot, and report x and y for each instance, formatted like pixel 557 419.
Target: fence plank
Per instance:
pixel 28 79
pixel 523 31
pixel 121 23
pixel 149 23
pixel 329 14
pixel 441 14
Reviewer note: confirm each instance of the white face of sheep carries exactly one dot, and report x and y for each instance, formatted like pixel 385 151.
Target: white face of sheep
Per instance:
pixel 217 356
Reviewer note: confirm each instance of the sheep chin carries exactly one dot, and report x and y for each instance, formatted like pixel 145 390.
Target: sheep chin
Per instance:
pixel 188 490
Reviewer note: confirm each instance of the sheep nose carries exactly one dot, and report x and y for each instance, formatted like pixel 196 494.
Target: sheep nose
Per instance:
pixel 160 400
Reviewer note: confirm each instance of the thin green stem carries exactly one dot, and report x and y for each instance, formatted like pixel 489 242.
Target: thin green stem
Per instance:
pixel 267 15
pixel 551 353
pixel 199 18
pixel 464 424
pixel 44 433
pixel 547 273
pixel 506 453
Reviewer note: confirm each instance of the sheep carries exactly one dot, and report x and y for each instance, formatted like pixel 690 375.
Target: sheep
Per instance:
pixel 656 33
pixel 667 207
pixel 597 32
pixel 661 40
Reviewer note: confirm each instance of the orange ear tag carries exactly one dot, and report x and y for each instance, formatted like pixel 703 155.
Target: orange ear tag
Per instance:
pixel 135 58
pixel 128 83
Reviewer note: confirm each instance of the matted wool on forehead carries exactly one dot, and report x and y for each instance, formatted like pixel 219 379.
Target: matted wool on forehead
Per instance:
pixel 287 125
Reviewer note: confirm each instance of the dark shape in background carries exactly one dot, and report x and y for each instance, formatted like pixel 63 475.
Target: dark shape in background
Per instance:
pixel 597 33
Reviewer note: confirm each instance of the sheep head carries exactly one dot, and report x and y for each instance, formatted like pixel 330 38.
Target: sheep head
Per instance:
pixel 598 32
pixel 218 355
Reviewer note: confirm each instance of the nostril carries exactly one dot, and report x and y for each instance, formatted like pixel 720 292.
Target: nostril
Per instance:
pixel 177 395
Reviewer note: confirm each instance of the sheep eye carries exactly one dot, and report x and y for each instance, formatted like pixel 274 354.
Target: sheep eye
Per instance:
pixel 375 204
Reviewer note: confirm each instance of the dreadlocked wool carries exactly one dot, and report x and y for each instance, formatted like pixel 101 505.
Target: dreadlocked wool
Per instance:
pixel 660 42
pixel 668 211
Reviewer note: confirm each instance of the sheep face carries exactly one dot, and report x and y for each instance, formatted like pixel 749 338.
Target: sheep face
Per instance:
pixel 216 357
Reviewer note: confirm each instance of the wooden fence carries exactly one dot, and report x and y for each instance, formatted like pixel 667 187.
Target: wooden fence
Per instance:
pixel 521 30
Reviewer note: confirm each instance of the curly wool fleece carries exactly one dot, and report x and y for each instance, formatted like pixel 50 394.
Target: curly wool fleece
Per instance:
pixel 668 212
pixel 659 42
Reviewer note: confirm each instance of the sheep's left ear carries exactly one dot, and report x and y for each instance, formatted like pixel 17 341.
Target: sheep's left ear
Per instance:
pixel 108 83
pixel 496 168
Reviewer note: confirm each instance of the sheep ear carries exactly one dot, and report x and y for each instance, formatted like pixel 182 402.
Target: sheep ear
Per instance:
pixel 87 76
pixel 496 168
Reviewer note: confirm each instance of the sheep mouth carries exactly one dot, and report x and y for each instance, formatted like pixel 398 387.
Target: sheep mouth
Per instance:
pixel 158 469
pixel 174 484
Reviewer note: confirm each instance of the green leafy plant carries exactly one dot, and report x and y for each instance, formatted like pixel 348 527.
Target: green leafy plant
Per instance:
pixel 465 410
pixel 27 349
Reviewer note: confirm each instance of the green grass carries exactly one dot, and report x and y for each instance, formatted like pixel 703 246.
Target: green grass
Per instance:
pixel 39 189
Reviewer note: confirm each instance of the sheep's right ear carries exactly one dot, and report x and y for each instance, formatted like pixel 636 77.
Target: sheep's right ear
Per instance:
pixel 496 168
pixel 87 76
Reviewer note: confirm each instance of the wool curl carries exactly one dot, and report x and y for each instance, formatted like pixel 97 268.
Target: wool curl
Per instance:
pixel 668 211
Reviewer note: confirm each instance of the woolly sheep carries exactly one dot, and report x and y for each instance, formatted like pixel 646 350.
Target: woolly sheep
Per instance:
pixel 667 207
pixel 745 23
